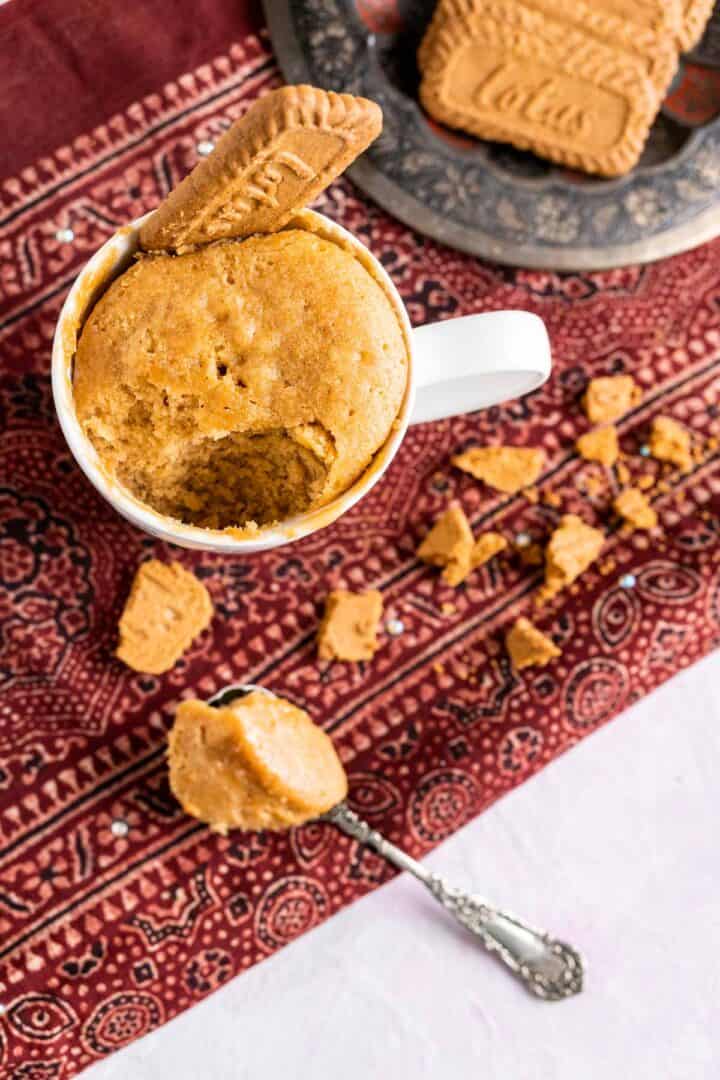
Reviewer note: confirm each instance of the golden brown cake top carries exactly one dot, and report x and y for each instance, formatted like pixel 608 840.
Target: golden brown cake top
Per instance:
pixel 260 763
pixel 245 381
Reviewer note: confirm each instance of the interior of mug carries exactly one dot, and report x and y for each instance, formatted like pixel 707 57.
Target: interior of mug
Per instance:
pixel 106 265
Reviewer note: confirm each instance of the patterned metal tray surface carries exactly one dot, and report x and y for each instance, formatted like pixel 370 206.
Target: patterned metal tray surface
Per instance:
pixel 489 199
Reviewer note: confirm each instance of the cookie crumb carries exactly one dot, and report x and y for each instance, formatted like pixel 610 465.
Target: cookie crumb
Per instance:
pixel 166 609
pixel 349 626
pixel 594 484
pixel 606 566
pixel 449 545
pixel 609 397
pixel 623 474
pixel 670 441
pixel 645 482
pixel 528 646
pixel 448 609
pixel 573 546
pixel 532 495
pixel 552 499
pixel 485 547
pixel 506 468
pixel 600 444
pixel 633 507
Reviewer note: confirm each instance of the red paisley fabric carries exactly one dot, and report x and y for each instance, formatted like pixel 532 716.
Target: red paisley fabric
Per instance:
pixel 116 910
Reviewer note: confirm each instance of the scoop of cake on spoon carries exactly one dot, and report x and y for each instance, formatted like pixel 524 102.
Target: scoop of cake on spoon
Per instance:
pixel 248 759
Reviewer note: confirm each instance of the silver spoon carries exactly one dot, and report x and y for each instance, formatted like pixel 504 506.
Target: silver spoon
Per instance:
pixel 549 968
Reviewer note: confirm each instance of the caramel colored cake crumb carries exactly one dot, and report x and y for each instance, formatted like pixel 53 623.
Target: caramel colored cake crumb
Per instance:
pixel 528 646
pixel 243 382
pixel 505 468
pixel 572 548
pixel 633 507
pixel 599 445
pixel 348 630
pixel 260 763
pixel 670 441
pixel 485 547
pixel 623 473
pixel 594 484
pixel 610 397
pixel 166 609
pixel 449 544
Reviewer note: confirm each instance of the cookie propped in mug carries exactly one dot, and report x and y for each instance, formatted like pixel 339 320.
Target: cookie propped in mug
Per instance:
pixel 272 162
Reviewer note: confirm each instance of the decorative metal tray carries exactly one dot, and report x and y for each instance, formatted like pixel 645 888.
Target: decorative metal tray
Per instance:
pixel 487 198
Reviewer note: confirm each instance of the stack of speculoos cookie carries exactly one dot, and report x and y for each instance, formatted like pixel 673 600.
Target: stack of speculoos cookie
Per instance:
pixel 576 81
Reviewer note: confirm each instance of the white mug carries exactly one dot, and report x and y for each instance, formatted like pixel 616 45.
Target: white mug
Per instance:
pixel 455 367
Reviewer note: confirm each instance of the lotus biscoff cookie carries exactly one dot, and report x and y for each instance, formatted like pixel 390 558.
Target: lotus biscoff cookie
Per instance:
pixel 655 47
pixel 508 72
pixel 283 152
pixel 166 609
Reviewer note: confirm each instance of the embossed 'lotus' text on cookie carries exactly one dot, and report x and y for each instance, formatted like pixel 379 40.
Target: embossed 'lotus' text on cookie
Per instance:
pixel 546 99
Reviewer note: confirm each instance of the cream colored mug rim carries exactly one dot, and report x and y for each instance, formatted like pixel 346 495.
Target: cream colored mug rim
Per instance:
pixel 92 279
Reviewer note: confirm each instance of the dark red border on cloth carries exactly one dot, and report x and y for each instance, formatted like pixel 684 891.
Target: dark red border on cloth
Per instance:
pixel 67 65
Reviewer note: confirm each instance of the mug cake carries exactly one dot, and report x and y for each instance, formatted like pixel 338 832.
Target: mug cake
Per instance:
pixel 231 378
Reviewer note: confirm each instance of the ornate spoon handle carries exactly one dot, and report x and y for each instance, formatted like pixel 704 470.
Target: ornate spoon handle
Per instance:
pixel 549 968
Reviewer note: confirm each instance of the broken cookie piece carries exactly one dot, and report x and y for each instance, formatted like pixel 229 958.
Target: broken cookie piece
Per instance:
pixel 572 548
pixel 348 630
pixel 610 397
pixel 505 468
pixel 634 508
pixel 485 547
pixel 670 441
pixel 528 646
pixel 166 609
pixel 599 445
pixel 449 544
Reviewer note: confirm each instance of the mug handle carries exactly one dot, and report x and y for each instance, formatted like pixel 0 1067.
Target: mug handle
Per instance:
pixel 477 360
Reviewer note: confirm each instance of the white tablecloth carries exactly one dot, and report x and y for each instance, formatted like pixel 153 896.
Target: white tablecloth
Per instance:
pixel 615 846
